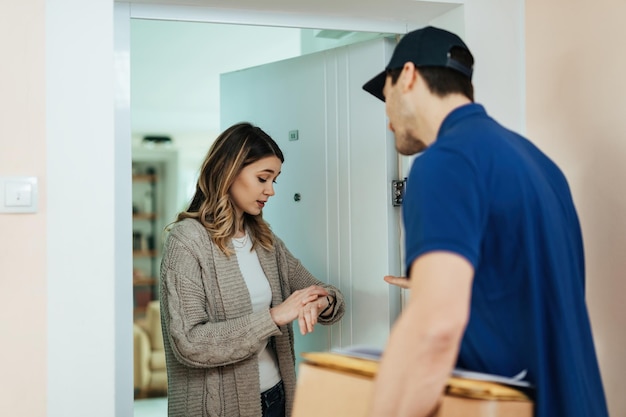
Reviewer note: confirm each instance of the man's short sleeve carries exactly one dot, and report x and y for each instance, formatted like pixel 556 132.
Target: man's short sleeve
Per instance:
pixel 444 207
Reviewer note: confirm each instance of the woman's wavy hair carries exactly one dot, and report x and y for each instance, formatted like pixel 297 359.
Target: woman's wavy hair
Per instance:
pixel 237 147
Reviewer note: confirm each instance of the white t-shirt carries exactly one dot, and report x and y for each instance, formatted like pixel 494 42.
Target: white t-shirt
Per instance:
pixel 261 296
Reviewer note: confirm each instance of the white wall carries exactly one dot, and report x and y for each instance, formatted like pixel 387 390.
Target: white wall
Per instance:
pixel 89 320
pixel 495 31
pixel 175 69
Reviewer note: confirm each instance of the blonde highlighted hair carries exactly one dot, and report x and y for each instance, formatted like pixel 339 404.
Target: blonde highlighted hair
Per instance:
pixel 237 147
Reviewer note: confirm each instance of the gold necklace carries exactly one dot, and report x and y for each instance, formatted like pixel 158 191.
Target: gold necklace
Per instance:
pixel 240 242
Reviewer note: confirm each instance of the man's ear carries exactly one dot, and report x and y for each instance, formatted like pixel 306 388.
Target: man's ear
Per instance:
pixel 408 77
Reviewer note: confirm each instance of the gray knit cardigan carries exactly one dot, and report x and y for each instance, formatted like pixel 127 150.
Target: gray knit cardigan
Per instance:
pixel 211 335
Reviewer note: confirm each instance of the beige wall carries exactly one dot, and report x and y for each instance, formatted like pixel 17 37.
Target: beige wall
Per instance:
pixel 23 236
pixel 576 98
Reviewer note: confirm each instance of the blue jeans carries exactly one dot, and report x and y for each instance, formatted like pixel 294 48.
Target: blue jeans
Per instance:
pixel 273 401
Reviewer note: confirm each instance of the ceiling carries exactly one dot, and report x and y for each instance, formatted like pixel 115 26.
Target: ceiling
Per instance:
pixel 175 65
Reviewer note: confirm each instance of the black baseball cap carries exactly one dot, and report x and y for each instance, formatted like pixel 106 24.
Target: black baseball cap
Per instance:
pixel 426 47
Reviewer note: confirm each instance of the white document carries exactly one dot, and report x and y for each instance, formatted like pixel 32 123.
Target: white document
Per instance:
pixel 372 353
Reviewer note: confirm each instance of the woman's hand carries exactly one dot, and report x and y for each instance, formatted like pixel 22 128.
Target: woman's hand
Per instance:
pixel 307 318
pixel 402 282
pixel 294 307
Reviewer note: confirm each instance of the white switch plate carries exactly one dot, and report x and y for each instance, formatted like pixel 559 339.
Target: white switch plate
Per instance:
pixel 18 194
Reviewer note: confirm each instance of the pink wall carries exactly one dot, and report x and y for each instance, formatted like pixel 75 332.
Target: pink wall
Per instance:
pixel 576 87
pixel 23 237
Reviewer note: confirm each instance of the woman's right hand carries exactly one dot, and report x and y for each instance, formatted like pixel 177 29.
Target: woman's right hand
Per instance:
pixel 290 309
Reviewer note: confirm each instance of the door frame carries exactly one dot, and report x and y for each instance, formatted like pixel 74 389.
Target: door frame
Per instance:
pixel 123 14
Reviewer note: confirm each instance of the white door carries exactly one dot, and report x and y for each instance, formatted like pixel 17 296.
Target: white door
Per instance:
pixel 333 201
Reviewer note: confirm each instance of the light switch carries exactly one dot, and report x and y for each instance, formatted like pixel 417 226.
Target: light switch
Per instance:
pixel 18 194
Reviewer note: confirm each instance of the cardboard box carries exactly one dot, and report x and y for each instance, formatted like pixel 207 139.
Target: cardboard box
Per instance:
pixel 338 386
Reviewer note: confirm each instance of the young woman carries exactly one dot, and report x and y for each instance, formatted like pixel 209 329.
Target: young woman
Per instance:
pixel 230 289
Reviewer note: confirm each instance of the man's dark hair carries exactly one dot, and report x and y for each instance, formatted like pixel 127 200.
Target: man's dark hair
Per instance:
pixel 442 80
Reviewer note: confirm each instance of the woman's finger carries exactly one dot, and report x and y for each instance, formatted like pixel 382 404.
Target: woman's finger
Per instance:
pixel 302 323
pixel 311 298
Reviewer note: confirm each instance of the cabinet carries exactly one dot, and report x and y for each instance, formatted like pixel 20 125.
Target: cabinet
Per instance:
pixel 145 253
pixel 154 206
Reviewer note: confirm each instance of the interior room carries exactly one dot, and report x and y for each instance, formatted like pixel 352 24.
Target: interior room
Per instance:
pixel 175 115
pixel 65 120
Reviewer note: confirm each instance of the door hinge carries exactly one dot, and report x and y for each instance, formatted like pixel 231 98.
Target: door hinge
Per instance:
pixel 397 192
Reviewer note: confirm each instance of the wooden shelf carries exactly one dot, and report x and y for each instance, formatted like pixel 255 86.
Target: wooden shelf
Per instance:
pixel 144 253
pixel 144 216
pixel 144 178
pixel 143 281
pixel 147 218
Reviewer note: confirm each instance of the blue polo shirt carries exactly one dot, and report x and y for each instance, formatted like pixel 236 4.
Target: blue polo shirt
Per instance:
pixel 491 196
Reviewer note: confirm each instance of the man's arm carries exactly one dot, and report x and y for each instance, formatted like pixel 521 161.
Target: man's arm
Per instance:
pixel 424 342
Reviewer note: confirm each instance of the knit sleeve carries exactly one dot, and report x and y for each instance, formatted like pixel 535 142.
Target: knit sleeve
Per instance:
pixel 197 336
